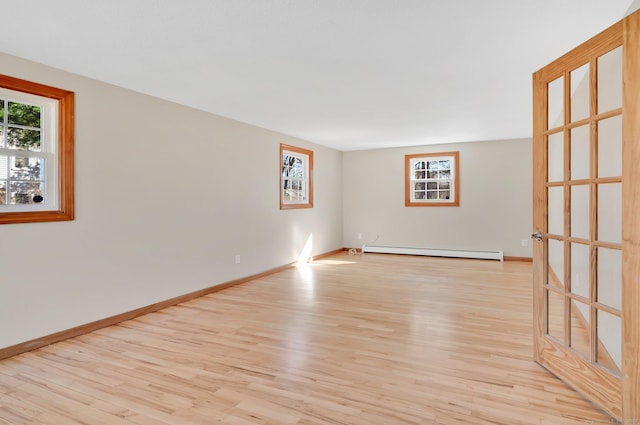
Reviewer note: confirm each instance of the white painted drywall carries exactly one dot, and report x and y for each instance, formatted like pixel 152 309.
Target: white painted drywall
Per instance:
pixel 166 196
pixel 495 199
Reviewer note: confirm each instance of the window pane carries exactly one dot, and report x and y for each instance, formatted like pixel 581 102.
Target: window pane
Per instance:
pixel 3 192
pixel 420 195
pixel 580 328
pixel 556 210
pixel 1 110
pixel 555 260
pixel 445 165
pixel 445 194
pixel 556 103
pixel 432 194
pixel 445 174
pixel 23 192
pixel 432 175
pixel 580 93
pixel 610 338
pixel 1 136
pixel 610 147
pixel 4 164
pixel 555 146
pixel 610 212
pixel 580 269
pixel 420 165
pixel 580 153
pixel 555 315
pixel 421 175
pixel 610 277
pixel 610 80
pixel 433 165
pixel 23 168
pixel 580 211
pixel 419 186
pixel 19 138
pixel 444 185
pixel 432 185
pixel 21 114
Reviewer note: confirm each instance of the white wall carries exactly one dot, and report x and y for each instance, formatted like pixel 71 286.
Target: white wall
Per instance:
pixel 495 199
pixel 165 197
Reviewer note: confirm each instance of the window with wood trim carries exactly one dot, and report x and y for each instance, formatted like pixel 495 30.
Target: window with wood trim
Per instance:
pixel 432 180
pixel 296 183
pixel 36 152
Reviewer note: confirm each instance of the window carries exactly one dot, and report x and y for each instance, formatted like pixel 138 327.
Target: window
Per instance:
pixel 36 152
pixel 296 184
pixel 432 180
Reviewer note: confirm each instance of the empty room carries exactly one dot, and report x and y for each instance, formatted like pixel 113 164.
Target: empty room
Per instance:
pixel 320 212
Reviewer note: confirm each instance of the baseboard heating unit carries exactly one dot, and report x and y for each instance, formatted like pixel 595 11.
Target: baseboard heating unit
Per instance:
pixel 455 253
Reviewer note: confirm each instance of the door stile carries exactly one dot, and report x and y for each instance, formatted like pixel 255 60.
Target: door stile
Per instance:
pixel 630 220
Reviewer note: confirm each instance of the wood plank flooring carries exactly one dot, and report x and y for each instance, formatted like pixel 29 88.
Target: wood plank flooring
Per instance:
pixel 362 340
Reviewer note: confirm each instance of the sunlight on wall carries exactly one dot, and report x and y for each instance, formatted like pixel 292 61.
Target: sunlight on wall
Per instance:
pixel 305 255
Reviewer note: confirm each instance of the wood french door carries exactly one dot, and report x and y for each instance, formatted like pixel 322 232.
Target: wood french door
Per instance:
pixel 587 218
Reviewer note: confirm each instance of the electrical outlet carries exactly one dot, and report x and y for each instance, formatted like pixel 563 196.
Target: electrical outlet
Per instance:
pixel 237 258
pixel 525 242
pixel 359 235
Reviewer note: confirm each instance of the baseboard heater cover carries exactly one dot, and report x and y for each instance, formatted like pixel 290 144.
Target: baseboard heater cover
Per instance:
pixel 455 253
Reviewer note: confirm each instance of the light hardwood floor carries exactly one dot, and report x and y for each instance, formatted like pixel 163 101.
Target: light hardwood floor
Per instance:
pixel 367 340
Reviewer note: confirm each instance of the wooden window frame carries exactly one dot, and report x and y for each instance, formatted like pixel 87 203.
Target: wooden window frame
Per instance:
pixel 307 156
pixel 64 152
pixel 409 199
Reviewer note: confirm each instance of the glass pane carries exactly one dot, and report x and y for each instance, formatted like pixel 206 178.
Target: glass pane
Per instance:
pixel 432 185
pixel 580 328
pixel 610 80
pixel 419 186
pixel 580 211
pixel 556 103
pixel 555 315
pixel 610 147
pixel 444 194
pixel 26 115
pixel 610 277
pixel 610 341
pixel 3 192
pixel 444 185
pixel 580 269
pixel 555 258
pixel 610 212
pixel 556 157
pixel 556 210
pixel 19 138
pixel 580 152
pixel 445 165
pixel 1 136
pixel 24 168
pixel 580 93
pixel 24 192
pixel 1 110
pixel 4 164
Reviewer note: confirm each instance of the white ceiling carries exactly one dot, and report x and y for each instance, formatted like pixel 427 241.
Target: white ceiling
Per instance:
pixel 349 74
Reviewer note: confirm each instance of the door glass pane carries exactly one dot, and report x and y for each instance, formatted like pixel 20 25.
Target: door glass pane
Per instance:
pixel 610 147
pixel 556 103
pixel 580 152
pixel 580 269
pixel 610 212
pixel 580 93
pixel 556 157
pixel 580 211
pixel 555 315
pixel 555 260
pixel 556 210
pixel 580 328
pixel 609 341
pixel 610 277
pixel 610 80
